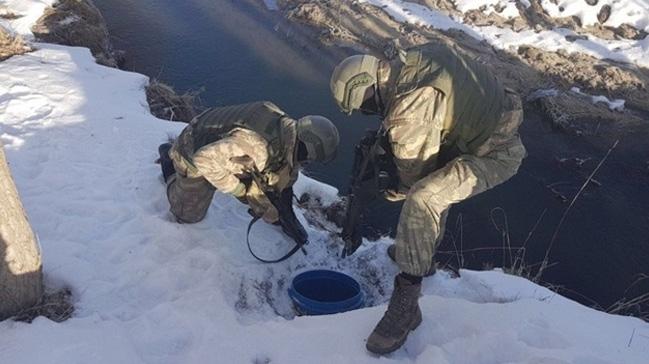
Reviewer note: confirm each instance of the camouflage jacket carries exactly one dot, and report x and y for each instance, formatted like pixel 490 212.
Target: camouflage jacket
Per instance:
pixel 439 104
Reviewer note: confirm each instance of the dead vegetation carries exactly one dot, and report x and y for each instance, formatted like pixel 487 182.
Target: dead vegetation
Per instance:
pixel 56 306
pixel 7 14
pixel 633 305
pixel 11 45
pixel 166 104
pixel 77 23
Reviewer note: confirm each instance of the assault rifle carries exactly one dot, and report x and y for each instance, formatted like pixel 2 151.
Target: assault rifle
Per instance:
pixel 283 202
pixel 373 172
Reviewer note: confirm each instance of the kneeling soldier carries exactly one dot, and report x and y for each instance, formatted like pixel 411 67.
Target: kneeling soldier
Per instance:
pixel 220 149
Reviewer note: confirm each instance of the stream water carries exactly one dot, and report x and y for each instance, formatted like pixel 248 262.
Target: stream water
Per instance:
pixel 238 51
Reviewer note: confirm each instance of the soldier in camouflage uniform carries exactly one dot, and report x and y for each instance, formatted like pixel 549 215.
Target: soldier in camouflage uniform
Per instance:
pixel 452 128
pixel 220 148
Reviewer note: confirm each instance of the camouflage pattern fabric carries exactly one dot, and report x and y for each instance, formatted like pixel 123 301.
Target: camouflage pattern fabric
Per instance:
pixel 219 166
pixel 189 198
pixel 423 216
pixel 414 123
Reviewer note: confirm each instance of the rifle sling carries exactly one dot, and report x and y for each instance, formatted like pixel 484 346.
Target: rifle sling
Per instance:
pixel 290 253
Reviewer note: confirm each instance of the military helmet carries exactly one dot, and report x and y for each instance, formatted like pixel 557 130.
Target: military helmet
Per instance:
pixel 320 136
pixel 351 78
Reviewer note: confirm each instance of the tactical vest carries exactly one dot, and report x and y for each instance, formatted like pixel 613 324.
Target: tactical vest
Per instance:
pixel 475 98
pixel 262 117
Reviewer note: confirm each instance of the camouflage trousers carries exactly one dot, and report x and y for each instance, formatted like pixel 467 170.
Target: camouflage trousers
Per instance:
pixel 189 198
pixel 422 219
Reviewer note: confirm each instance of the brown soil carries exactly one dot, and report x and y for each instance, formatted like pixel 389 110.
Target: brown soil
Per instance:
pixel 7 14
pixel 370 29
pixel 11 45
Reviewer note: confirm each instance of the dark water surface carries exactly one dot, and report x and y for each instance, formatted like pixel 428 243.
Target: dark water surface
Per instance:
pixel 239 52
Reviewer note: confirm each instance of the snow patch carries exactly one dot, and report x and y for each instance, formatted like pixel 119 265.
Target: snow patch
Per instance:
pixel 615 104
pixel 505 8
pixel 271 5
pixel 29 11
pixel 408 12
pixel 325 193
pixel 624 50
pixel 69 20
pixel 632 12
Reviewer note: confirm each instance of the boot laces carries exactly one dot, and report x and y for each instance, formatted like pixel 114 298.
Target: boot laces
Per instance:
pixel 394 319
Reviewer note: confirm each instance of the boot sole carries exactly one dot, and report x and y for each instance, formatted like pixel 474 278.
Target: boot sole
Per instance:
pixel 383 351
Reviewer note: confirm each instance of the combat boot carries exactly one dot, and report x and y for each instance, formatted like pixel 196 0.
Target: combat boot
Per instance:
pixel 403 315
pixel 166 163
pixel 392 253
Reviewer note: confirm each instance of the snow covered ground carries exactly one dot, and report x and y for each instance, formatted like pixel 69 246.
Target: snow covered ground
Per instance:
pixel 28 11
pixel 633 12
pixel 82 145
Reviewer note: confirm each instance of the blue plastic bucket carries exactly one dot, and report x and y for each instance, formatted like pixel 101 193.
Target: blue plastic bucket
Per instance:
pixel 323 292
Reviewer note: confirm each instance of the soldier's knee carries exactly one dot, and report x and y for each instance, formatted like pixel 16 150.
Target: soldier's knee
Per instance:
pixel 421 207
pixel 511 159
pixel 189 199
pixel 188 219
pixel 423 201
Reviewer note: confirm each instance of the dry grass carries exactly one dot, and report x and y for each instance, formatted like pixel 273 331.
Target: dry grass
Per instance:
pixel 56 306
pixel 11 45
pixel 637 306
pixel 8 15
pixel 165 103
pixel 544 263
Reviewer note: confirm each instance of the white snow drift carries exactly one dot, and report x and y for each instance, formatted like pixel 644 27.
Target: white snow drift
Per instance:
pixel 82 145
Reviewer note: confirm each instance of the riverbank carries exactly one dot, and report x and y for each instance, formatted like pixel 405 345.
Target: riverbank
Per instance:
pixel 582 72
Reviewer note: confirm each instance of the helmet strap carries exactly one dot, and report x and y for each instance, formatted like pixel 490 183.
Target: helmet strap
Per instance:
pixel 370 104
pixel 301 152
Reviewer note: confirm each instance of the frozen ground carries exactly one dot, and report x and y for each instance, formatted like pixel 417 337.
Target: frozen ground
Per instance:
pixel 82 145
pixel 633 12
pixel 28 11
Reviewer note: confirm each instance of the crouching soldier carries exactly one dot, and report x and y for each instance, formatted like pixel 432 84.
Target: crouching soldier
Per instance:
pixel 222 147
pixel 451 128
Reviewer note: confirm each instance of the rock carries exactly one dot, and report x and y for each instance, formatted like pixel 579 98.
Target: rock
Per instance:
pixel 592 2
pixel 627 31
pixel 572 38
pixel 604 14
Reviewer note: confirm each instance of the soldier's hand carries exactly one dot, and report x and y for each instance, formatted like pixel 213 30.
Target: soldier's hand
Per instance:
pixel 245 161
pixel 239 191
pixel 394 195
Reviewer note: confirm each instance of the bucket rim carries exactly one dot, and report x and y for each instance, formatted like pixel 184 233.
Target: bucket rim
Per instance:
pixel 351 303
